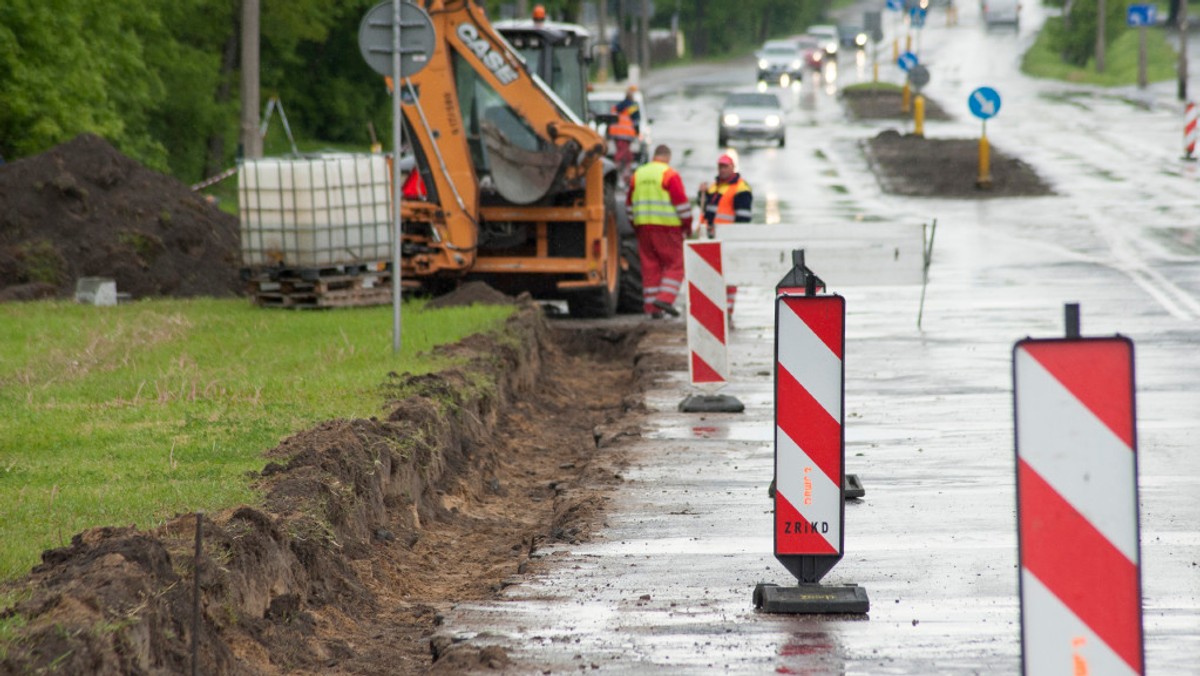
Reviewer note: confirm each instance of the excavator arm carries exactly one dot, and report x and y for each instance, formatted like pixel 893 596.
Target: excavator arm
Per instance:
pixel 497 149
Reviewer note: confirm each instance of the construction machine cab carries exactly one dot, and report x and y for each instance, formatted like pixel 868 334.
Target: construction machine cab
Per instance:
pixel 555 52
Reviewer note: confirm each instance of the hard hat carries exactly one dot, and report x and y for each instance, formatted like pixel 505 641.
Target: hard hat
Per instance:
pixel 725 159
pixel 539 13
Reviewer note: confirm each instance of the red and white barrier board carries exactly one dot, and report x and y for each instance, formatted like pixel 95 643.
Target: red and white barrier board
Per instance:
pixel 1077 503
pixel 707 331
pixel 809 440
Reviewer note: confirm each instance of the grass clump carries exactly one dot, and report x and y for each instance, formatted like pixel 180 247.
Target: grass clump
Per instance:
pixel 132 414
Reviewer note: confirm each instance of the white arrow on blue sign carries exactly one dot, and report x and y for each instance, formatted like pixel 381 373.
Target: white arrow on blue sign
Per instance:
pixel 1141 15
pixel 895 5
pixel 984 102
pixel 906 61
pixel 916 17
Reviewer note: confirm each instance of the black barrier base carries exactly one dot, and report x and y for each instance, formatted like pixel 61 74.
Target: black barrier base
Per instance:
pixel 711 403
pixel 853 488
pixel 811 599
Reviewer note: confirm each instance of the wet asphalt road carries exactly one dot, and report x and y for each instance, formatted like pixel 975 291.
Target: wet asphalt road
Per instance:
pixel 667 584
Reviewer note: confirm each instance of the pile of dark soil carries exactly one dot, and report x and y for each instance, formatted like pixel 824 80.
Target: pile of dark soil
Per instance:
pixel 928 167
pixel 83 209
pixel 368 528
pixel 885 104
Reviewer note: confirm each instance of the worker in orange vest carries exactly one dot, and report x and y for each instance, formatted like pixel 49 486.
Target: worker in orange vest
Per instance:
pixel 726 200
pixel 625 130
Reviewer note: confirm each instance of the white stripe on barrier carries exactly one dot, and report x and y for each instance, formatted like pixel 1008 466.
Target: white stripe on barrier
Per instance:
pixel 704 276
pixel 794 467
pixel 1061 642
pixel 810 361
pixel 1053 422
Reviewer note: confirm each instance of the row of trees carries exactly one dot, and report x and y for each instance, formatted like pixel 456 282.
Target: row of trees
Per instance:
pixel 160 78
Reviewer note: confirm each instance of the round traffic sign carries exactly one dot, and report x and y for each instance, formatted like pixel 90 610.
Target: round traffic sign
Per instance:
pixel 906 61
pixel 375 38
pixel 918 76
pixel 984 102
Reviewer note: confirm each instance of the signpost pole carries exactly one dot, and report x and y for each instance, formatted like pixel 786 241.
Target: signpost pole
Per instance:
pixel 397 130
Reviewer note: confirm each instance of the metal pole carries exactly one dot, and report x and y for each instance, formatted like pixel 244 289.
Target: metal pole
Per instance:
pixel 1071 317
pixel 252 144
pixel 1100 22
pixel 397 130
pixel 1141 74
pixel 1183 50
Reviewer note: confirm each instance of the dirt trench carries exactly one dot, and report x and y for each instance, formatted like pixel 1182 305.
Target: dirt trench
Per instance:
pixel 368 529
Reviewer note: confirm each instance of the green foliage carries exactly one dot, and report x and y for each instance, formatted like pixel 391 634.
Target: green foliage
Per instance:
pixel 1074 36
pixel 179 399
pixel 1043 59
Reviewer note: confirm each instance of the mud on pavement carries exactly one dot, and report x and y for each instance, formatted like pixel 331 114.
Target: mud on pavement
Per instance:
pixel 367 529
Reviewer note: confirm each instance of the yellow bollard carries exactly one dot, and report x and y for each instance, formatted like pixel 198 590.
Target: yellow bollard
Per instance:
pixel 875 72
pixel 906 99
pixel 985 164
pixel 919 116
pixel 907 43
pixel 895 50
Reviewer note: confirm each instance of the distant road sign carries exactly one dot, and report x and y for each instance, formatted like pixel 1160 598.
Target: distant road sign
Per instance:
pixel 916 17
pixel 895 5
pixel 1141 15
pixel 873 25
pixel 984 102
pixel 416 38
pixel 906 61
pixel 918 75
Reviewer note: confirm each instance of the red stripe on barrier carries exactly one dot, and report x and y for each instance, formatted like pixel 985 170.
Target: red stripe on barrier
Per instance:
pixel 808 424
pixel 706 312
pixel 1074 560
pixel 703 373
pixel 823 318
pixel 791 539
pixel 1093 371
pixel 710 253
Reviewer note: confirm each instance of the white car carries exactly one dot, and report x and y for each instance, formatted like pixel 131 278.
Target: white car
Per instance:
pixel 600 106
pixel 752 115
pixel 828 35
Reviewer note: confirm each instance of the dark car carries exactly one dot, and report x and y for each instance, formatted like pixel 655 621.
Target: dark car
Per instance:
pixel 852 37
pixel 752 115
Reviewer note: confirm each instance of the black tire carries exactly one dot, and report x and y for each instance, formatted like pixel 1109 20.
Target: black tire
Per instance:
pixel 601 302
pixel 782 141
pixel 629 298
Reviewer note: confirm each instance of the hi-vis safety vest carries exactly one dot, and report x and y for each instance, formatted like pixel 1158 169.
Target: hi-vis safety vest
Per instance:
pixel 725 213
pixel 651 201
pixel 623 128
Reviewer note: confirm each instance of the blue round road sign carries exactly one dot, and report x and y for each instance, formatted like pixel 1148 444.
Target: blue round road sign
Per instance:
pixel 906 61
pixel 984 102
pixel 895 5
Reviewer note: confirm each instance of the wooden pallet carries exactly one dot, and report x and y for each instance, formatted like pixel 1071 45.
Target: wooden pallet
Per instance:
pixel 312 288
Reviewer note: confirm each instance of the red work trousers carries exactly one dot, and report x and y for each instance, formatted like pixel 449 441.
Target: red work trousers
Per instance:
pixel 661 250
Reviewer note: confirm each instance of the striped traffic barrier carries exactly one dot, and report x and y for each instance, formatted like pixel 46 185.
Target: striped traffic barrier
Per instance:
pixel 707 328
pixel 810 342
pixel 1189 131
pixel 1077 505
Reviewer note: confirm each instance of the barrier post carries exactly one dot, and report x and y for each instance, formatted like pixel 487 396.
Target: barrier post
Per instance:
pixel 1189 131
pixel 1077 504
pixel 809 514
pixel 707 329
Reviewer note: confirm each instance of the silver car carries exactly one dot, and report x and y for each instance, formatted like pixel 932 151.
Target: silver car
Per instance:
pixel 752 115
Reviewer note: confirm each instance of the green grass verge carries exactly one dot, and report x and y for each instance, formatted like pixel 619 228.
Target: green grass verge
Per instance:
pixel 1121 60
pixel 873 86
pixel 132 414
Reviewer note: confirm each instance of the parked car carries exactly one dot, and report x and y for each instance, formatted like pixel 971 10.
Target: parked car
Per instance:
pixel 752 115
pixel 828 36
pixel 812 51
pixel 852 37
pixel 600 115
pixel 779 59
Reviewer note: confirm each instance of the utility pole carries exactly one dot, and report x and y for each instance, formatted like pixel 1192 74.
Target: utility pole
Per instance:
pixel 252 146
pixel 645 46
pixel 1183 47
pixel 1100 10
pixel 602 41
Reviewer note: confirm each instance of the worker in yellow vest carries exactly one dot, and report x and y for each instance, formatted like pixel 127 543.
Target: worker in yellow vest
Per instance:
pixel 726 200
pixel 662 216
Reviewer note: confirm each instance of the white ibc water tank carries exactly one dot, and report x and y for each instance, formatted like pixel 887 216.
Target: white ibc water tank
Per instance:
pixel 314 212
